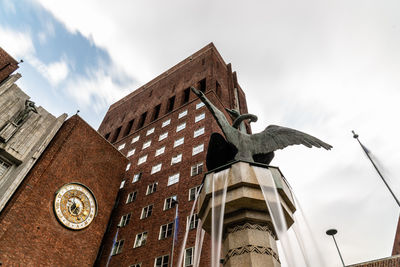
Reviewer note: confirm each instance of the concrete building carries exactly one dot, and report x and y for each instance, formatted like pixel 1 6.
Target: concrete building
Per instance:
pixel 163 128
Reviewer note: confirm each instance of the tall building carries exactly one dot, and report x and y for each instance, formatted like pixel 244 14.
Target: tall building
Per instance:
pixel 163 128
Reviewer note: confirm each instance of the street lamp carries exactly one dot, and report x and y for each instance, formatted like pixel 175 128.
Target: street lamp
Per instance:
pixel 333 232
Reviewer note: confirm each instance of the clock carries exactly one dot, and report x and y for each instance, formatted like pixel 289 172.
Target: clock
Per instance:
pixel 75 206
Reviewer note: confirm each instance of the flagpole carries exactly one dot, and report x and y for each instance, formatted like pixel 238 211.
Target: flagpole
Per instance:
pixel 173 236
pixel 355 136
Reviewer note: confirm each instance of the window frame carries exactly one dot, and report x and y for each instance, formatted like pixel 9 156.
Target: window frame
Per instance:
pixel 173 178
pixel 166 231
pixel 135 245
pixel 147 214
pixel 151 188
pixel 169 205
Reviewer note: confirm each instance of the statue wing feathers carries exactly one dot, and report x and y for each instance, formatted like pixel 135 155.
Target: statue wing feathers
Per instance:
pixel 276 137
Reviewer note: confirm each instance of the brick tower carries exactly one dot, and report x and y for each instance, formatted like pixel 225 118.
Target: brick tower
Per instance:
pixel 163 128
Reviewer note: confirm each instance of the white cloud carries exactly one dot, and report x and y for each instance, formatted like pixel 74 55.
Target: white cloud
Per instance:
pixel 17 44
pixel 54 72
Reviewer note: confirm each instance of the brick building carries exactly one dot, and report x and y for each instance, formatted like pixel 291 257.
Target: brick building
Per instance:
pixel 163 128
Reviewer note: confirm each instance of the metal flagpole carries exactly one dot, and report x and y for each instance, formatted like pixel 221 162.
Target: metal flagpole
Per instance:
pixel 175 203
pixel 376 168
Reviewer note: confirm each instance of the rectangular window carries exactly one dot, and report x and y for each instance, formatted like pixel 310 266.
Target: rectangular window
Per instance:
pixel 129 127
pixel 117 248
pixel 128 166
pixel 146 211
pixel 176 159
pixel 180 127
pixel 162 261
pixel 202 85
pixel 156 112
pixel 169 202
pixel 196 169
pixel 135 139
pixel 136 265
pixel 166 230
pixel 142 159
pixel 142 120
pixel 189 252
pixel 199 105
pixel 163 136
pixel 140 240
pixel 197 149
pixel 136 177
pixel 173 179
pixel 150 131
pixel 171 103
pixel 124 220
pixel 179 141
pixel 131 152
pixel 122 184
pixel 199 117
pixel 193 221
pixel 156 168
pixel 165 123
pixel 116 134
pixel 146 144
pixel 182 114
pixel 151 188
pixel 192 192
pixel 198 132
pixel 121 146
pixel 186 96
pixel 160 151
pixel 131 197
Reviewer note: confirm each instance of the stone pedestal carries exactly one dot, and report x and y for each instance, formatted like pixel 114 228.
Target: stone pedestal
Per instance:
pixel 249 237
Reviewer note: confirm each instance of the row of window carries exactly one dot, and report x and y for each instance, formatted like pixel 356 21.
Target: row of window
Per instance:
pixel 163 261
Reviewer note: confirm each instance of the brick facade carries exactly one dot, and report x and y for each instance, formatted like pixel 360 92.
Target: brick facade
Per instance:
pixel 30 234
pixel 205 70
pixel 393 261
pixel 7 65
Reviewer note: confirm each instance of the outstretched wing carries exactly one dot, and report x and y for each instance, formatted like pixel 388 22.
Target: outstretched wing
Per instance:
pixel 276 137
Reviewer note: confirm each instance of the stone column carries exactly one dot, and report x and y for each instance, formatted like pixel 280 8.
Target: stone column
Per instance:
pixel 249 237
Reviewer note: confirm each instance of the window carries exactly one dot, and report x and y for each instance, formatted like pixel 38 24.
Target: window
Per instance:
pixel 218 89
pixel 182 114
pixel 128 166
pixel 160 151
pixel 163 136
pixel 107 136
pixel 165 123
pixel 171 103
pixel 199 105
pixel 128 127
pixel 189 257
pixel 202 85
pixel 156 168
pixel 180 127
pixel 146 211
pixel 121 146
pixel 3 167
pixel 136 177
pixel 140 240
pixel 173 179
pixel 135 139
pixel 156 112
pixel 166 230
pixel 192 192
pixel 146 144
pixel 176 159
pixel 142 120
pixel 124 220
pixel 179 141
pixel 200 117
pixel 131 197
pixel 151 188
pixel 136 265
pixel 169 202
pixel 197 149
pixel 117 248
pixel 196 169
pixel 116 134
pixel 122 184
pixel 193 221
pixel 161 261
pixel 131 152
pixel 198 132
pixel 150 131
pixel 142 159
pixel 186 96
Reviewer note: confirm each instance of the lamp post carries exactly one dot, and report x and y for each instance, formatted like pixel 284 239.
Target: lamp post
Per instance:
pixel 333 232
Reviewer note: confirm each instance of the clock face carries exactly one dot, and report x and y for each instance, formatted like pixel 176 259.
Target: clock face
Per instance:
pixel 75 206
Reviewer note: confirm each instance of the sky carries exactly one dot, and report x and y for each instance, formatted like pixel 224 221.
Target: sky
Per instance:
pixel 324 67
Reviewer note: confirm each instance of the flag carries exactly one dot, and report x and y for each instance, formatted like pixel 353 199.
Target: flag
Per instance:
pixel 176 223
pixel 112 247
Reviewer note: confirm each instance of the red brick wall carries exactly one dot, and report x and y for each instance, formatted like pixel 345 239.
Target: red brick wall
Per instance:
pixel 396 243
pixel 189 72
pixel 30 234
pixel 386 262
pixel 7 65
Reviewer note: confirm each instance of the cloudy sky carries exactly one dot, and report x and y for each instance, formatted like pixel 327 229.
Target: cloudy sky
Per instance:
pixel 322 66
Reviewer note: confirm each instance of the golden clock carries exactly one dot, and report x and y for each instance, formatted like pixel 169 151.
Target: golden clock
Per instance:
pixel 75 206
